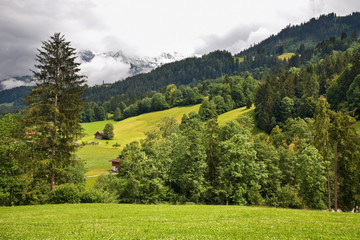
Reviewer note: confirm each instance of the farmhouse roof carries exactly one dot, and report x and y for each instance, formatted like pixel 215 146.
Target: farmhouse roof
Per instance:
pixel 116 160
pixel 99 132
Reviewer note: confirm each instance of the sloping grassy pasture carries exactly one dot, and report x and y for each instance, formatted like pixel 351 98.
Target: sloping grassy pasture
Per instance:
pixel 286 56
pixel 120 221
pixel 131 129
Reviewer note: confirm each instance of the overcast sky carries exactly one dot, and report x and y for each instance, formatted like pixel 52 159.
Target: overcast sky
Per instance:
pixel 145 27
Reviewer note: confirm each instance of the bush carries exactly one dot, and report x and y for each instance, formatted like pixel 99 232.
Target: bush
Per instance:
pixel 65 193
pixel 288 197
pixel 97 196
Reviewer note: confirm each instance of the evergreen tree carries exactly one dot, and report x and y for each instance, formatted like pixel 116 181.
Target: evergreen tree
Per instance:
pixel 354 35
pixel 212 149
pixel 117 114
pixel 54 104
pixel 99 112
pixel 108 131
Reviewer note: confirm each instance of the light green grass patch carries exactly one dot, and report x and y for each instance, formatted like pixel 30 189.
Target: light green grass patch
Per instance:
pixel 122 221
pixel 357 126
pixel 131 129
pixel 90 181
pixel 234 114
pixel 241 59
pixel 286 56
pixel 7 104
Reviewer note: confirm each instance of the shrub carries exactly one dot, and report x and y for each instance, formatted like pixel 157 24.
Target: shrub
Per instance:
pixel 96 196
pixel 65 193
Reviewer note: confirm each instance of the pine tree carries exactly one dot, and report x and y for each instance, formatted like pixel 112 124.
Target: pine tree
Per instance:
pixel 117 114
pixel 55 103
pixel 109 131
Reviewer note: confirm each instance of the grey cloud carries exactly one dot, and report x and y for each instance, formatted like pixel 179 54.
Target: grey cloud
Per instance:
pixel 104 69
pixel 24 24
pixel 12 82
pixel 340 7
pixel 234 41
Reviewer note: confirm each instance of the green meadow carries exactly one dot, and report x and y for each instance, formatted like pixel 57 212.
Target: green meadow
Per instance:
pixel 97 157
pixel 240 59
pixel 121 221
pixel 286 56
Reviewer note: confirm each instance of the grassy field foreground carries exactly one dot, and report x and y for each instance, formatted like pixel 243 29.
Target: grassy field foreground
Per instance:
pixel 120 221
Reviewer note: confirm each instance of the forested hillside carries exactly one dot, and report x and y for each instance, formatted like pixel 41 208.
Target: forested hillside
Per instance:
pixel 310 34
pixel 262 59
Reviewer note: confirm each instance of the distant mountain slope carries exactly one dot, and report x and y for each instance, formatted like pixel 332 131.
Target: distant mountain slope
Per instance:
pixel 182 72
pixel 109 67
pixel 16 82
pixel 309 33
pixel 216 64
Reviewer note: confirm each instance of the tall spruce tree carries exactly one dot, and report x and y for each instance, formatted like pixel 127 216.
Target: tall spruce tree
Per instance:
pixel 54 105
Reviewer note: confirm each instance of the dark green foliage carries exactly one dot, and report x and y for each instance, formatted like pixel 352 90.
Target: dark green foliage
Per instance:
pixel 117 114
pixel 309 33
pixel 239 172
pixel 99 113
pixel 158 102
pixel 353 95
pixel 108 131
pixel 140 177
pixel 211 143
pixel 221 107
pixel 144 105
pixel 65 193
pixel 286 109
pixel 184 72
pixel 96 196
pixel 12 153
pixel 205 110
pixel 311 177
pixel 322 138
pixel 293 93
pixel 54 106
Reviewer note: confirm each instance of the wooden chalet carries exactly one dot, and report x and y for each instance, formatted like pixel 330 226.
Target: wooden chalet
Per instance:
pixel 115 163
pixel 99 135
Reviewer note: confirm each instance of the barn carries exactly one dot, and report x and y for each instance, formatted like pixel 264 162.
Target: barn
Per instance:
pixel 99 135
pixel 115 163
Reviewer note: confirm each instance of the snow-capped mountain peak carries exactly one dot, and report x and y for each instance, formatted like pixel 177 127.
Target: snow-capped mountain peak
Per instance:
pixel 109 67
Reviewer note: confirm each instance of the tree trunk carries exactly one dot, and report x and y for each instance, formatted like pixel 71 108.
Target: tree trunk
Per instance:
pixel 11 196
pixel 329 191
pixel 335 177
pixel 52 185
pixel 52 180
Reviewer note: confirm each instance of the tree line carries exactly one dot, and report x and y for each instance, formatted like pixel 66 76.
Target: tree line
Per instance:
pixel 199 161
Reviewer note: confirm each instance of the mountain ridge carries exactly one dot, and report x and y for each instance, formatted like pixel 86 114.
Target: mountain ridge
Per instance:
pixel 130 65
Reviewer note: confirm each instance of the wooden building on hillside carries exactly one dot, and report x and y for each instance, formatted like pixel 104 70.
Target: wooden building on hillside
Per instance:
pixel 115 163
pixel 99 135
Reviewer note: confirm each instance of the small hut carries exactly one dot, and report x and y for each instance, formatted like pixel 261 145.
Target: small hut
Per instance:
pixel 99 135
pixel 115 163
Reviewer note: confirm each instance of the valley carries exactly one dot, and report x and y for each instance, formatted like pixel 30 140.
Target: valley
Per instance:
pixel 96 157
